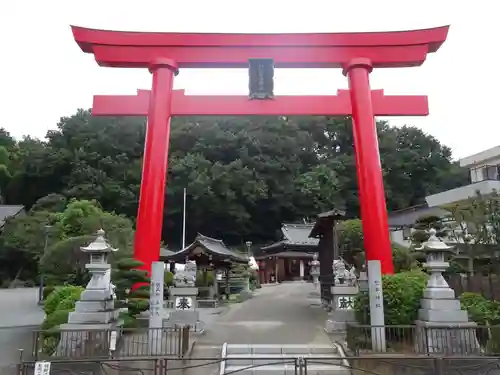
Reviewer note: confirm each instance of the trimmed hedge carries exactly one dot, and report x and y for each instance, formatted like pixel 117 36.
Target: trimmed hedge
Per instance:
pixel 402 294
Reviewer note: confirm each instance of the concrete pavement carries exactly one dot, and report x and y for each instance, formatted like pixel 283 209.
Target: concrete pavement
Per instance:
pixel 19 316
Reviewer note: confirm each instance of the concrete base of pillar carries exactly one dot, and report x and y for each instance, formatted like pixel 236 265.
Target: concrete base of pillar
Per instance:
pixel 449 339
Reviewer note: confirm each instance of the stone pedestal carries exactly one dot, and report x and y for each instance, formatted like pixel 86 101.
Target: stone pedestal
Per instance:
pixel 442 326
pixel 183 297
pixel 185 308
pixel 344 291
pixel 95 319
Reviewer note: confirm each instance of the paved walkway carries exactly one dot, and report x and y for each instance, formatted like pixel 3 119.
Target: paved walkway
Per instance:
pixel 280 314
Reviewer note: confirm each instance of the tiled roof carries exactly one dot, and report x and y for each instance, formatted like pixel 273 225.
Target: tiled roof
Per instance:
pixel 298 234
pixel 211 245
pixel 408 216
pixel 286 254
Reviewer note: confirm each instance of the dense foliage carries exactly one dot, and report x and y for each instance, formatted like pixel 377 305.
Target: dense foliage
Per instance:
pixel 402 294
pixel 127 273
pixel 244 177
pixel 58 305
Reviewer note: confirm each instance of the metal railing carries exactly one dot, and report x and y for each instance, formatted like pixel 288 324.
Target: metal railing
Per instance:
pixel 117 343
pixel 407 339
pixel 407 365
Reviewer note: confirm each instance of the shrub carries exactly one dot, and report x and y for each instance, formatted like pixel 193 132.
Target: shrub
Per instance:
pixel 127 273
pixel 51 335
pixel 484 312
pixel 129 322
pixel 67 304
pixel 47 291
pixel 481 310
pixel 402 294
pixel 201 281
pixel 54 320
pixel 137 305
pixel 59 294
pixel 168 279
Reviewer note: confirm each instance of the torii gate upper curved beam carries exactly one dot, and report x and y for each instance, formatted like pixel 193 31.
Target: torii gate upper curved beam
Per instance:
pixel 305 50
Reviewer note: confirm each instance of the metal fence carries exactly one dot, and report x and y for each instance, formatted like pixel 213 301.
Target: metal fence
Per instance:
pixel 379 365
pixel 81 344
pixel 464 340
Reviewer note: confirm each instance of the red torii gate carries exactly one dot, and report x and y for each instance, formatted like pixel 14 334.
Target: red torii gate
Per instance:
pixel 356 53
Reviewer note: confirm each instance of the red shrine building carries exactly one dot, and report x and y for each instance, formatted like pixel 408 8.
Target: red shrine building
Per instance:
pixel 289 258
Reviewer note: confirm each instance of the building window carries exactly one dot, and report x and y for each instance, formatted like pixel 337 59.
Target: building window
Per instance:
pixel 484 173
pixel 406 233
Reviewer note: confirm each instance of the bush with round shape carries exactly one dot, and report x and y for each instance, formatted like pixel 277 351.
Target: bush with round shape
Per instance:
pixel 402 294
pixel 59 294
pixel 485 313
pixel 168 279
pixel 481 310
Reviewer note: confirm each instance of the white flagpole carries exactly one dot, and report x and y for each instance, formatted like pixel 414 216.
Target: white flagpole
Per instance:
pixel 184 221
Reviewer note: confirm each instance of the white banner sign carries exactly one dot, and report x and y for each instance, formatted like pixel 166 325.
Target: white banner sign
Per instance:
pixel 42 368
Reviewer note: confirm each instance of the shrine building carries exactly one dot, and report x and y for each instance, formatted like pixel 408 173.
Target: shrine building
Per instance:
pixel 289 258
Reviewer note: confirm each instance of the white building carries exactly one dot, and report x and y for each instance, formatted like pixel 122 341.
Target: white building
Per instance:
pixel 402 221
pixel 484 169
pixel 484 177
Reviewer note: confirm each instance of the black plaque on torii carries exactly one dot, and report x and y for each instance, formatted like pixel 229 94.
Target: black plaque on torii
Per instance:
pixel 261 78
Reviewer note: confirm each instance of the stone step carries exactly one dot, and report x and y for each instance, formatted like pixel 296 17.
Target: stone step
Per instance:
pixel 265 359
pixel 293 349
pixel 312 369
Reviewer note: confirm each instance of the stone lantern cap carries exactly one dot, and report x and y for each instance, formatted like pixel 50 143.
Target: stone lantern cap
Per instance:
pixel 434 244
pixel 99 245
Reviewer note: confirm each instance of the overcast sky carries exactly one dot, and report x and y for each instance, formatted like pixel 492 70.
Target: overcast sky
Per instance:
pixel 44 75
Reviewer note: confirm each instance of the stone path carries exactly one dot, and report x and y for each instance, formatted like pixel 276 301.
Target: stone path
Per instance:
pixel 277 315
pixel 19 315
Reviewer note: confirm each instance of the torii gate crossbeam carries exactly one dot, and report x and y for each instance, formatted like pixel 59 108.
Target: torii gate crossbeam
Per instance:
pixel 235 105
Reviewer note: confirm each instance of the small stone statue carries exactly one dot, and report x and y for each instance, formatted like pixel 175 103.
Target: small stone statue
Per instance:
pixel 187 277
pixel 342 275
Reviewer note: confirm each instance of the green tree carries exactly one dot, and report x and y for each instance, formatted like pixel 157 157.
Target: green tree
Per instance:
pixel 127 273
pixel 477 231
pixel 351 243
pixel 21 246
pixel 244 176
pixel 64 262
pixel 422 226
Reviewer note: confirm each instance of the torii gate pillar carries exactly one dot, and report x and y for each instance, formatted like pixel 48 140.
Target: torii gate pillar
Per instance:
pixel 371 184
pixel 155 162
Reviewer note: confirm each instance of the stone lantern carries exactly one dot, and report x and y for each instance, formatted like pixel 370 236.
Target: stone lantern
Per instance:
pixel 95 322
pixel 99 267
pixel 363 280
pixel 315 269
pixel 442 326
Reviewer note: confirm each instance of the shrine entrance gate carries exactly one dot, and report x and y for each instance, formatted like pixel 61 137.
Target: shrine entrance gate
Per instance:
pixel 357 54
